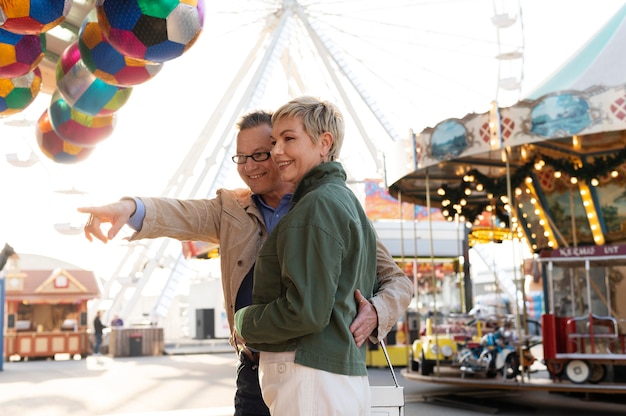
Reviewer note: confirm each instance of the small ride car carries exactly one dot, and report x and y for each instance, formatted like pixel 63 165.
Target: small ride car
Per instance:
pixel 437 344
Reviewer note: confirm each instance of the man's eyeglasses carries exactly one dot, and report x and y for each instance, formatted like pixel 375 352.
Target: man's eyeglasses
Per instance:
pixel 257 157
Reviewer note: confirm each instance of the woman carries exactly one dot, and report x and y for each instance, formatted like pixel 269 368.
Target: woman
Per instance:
pixel 307 272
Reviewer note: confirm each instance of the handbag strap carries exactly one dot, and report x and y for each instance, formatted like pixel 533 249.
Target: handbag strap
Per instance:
pixel 395 380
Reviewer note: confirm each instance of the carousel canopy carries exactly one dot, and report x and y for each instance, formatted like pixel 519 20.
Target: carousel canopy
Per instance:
pixel 601 61
pixel 550 168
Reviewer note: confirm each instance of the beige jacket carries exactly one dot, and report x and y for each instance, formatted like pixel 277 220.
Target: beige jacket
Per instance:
pixel 233 221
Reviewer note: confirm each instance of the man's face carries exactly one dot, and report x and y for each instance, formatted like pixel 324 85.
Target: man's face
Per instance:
pixel 261 177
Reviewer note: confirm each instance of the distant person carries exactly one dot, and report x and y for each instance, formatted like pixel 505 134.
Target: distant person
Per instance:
pixel 98 327
pixel 117 321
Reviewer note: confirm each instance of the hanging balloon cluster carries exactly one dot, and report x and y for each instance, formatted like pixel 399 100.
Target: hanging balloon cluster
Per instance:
pixel 121 43
pixel 23 26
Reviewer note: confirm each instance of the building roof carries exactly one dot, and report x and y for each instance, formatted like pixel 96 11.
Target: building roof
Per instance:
pixel 37 278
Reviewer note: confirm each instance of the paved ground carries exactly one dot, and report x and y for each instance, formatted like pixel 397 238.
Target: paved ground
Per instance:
pixel 203 384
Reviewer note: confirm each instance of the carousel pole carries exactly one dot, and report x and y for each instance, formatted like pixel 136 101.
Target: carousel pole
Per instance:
pixel 403 260
pixel 432 264
pixel 518 322
pixel 572 218
pixel 509 208
pixel 2 296
pixel 459 269
pixel 415 273
pixel 415 261
pixel 495 142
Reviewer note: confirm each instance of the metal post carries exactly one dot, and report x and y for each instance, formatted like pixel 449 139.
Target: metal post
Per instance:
pixel 2 293
pixel 546 272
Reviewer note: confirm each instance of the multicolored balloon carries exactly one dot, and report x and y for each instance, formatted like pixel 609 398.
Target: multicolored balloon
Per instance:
pixel 18 93
pixel 54 147
pixel 33 17
pixel 155 31
pixel 20 54
pixel 82 90
pixel 106 63
pixel 78 128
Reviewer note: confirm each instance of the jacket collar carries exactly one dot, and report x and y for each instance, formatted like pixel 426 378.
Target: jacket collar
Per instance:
pixel 320 174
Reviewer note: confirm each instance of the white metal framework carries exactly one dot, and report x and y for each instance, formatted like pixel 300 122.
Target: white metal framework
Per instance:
pixel 271 50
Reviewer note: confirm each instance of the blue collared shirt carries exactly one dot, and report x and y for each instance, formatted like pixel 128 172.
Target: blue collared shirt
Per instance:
pixel 271 216
pixel 136 220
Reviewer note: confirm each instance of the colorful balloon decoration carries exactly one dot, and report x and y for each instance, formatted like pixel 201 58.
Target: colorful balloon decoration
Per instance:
pixel 20 54
pixel 122 43
pixel 155 31
pixel 54 147
pixel 83 90
pixel 33 17
pixel 78 128
pixel 106 63
pixel 18 93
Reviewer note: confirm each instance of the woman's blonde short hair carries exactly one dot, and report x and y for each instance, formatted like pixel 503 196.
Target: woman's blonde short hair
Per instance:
pixel 317 117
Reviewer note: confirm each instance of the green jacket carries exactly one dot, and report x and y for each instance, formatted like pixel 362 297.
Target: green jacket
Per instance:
pixel 306 274
pixel 233 221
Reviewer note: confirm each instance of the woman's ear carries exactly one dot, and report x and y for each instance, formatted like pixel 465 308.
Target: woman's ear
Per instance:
pixel 326 140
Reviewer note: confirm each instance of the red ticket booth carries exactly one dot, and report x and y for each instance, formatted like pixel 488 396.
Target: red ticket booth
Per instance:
pixel 46 308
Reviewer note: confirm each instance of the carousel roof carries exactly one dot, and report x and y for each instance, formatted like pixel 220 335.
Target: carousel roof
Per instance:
pixel 558 156
pixel 600 61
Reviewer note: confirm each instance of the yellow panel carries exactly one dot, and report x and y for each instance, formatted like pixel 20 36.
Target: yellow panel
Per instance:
pixel 73 343
pixel 397 354
pixel 26 345
pixel 58 344
pixel 41 344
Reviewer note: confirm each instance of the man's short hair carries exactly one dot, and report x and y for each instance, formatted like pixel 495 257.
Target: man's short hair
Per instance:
pixel 254 119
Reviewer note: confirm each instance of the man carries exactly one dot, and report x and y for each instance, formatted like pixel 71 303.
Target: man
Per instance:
pixel 117 321
pixel 98 327
pixel 240 221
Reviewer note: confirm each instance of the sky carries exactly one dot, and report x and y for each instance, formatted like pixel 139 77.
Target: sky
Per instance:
pixel 418 62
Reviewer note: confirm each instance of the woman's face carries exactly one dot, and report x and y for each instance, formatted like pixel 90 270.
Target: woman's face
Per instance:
pixel 293 150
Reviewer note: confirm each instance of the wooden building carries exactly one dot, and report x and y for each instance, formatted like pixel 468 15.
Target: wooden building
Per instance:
pixel 46 307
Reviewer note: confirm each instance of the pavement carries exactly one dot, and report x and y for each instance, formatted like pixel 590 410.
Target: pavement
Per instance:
pixel 195 346
pixel 198 378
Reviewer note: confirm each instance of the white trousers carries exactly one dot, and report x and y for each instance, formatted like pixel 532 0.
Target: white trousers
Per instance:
pixel 291 389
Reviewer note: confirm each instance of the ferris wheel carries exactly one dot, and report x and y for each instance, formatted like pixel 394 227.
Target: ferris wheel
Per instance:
pixel 508 21
pixel 389 66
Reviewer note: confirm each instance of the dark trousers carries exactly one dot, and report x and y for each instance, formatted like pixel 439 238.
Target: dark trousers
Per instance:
pixel 96 348
pixel 248 399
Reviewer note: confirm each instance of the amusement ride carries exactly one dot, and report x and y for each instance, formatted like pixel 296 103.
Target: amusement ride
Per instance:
pixel 546 170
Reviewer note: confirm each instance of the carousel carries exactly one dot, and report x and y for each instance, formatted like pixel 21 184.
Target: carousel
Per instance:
pixel 549 172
